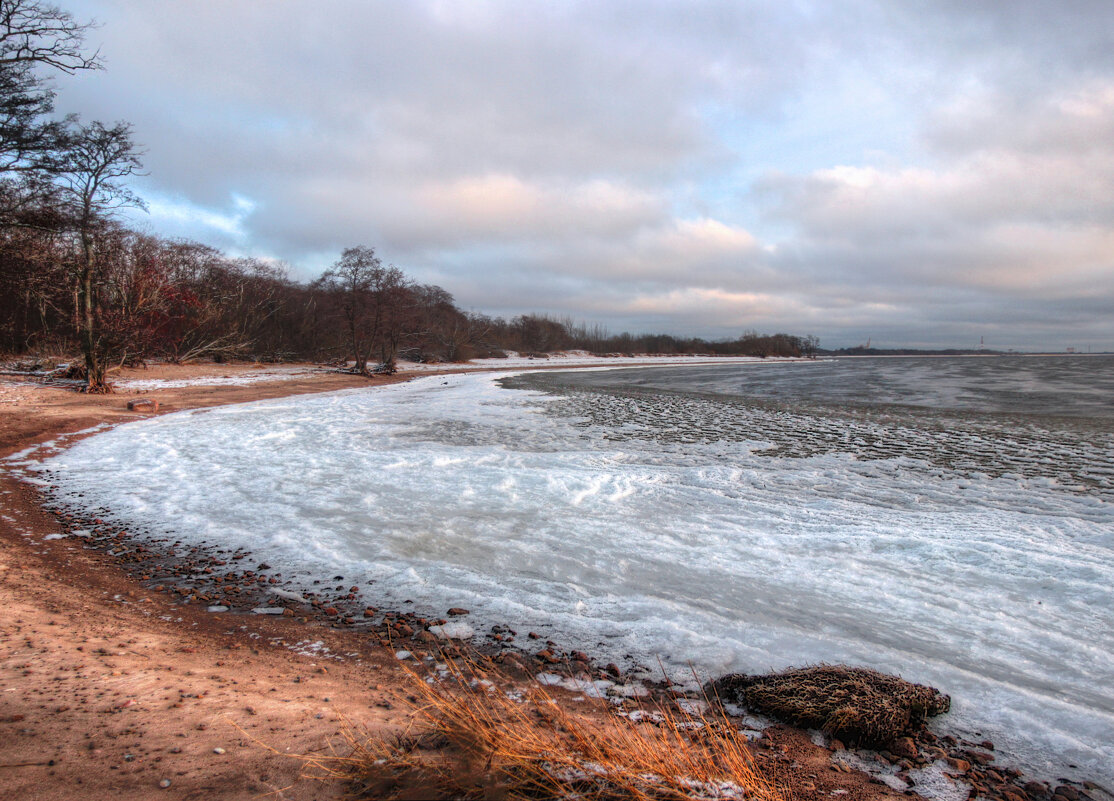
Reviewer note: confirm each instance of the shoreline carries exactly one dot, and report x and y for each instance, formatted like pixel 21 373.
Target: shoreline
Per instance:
pixel 324 626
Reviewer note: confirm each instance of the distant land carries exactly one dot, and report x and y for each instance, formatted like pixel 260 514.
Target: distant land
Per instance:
pixel 863 351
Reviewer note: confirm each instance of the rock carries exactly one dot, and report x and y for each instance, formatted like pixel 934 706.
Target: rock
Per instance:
pixel 456 611
pixel 1012 794
pixel 143 405
pixel 961 765
pixel 332 611
pixel 1037 789
pixel 904 747
pixel 218 750
pixel 164 783
pixel 1068 792
pixel 427 637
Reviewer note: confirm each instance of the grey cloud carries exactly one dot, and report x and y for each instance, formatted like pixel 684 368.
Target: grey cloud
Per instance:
pixel 578 157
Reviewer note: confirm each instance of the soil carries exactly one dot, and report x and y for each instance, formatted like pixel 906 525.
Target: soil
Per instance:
pixel 109 688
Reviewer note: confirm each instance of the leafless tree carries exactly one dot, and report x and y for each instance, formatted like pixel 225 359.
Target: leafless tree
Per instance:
pixel 367 291
pixel 33 35
pixel 97 159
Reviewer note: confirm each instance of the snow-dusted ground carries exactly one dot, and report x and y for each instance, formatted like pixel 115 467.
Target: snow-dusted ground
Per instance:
pixel 266 374
pixel 513 360
pixel 577 358
pixel 711 548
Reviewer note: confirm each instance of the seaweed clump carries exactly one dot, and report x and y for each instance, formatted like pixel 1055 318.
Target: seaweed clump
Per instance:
pixel 858 705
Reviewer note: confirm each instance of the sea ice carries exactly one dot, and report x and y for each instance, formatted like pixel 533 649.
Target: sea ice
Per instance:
pixel 712 537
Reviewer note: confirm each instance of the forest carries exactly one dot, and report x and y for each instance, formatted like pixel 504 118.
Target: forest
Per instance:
pixel 75 280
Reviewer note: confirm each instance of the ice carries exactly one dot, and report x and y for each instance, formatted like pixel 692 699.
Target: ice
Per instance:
pixel 591 689
pixel 720 539
pixel 288 595
pixel 933 782
pixel 453 631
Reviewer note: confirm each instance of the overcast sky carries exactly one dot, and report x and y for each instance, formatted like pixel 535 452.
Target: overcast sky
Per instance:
pixel 916 173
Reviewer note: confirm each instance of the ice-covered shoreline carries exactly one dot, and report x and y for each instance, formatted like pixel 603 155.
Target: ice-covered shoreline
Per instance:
pixel 470 434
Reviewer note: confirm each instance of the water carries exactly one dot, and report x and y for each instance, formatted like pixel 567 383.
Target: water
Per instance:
pixel 1075 386
pixel 950 520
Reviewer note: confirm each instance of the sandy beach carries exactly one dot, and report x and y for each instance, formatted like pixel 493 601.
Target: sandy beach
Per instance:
pixel 110 687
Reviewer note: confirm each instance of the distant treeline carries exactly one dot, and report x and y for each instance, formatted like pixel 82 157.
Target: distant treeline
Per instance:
pixel 181 301
pixel 73 278
pixel 862 351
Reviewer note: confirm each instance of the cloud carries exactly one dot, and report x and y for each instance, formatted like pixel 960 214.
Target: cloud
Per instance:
pixel 659 164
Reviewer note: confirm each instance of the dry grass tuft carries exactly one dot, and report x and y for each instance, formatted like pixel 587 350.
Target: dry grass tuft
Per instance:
pixel 476 740
pixel 857 705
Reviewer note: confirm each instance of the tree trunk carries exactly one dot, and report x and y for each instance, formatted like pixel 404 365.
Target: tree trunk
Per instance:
pixel 94 364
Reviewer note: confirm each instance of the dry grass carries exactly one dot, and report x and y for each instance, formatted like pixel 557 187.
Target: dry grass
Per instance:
pixel 857 705
pixel 474 740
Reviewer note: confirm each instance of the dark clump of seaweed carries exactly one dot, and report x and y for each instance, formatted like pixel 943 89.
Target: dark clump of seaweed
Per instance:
pixel 858 705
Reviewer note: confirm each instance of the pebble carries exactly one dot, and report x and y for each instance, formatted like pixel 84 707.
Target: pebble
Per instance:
pixel 164 783
pixel 904 747
pixel 218 750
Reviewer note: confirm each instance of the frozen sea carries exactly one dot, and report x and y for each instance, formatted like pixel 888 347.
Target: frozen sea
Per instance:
pixel 950 520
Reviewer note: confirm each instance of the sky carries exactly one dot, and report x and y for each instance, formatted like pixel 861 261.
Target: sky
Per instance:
pixel 930 174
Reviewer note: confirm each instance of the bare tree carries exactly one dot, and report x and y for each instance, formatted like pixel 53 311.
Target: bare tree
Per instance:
pixel 97 159
pixel 34 34
pixel 367 291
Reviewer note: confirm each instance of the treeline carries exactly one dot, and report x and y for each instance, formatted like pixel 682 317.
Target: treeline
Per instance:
pixel 73 278
pixel 179 301
pixel 543 334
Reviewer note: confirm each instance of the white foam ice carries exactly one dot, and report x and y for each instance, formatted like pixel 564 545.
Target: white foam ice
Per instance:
pixel 451 491
pixel 455 630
